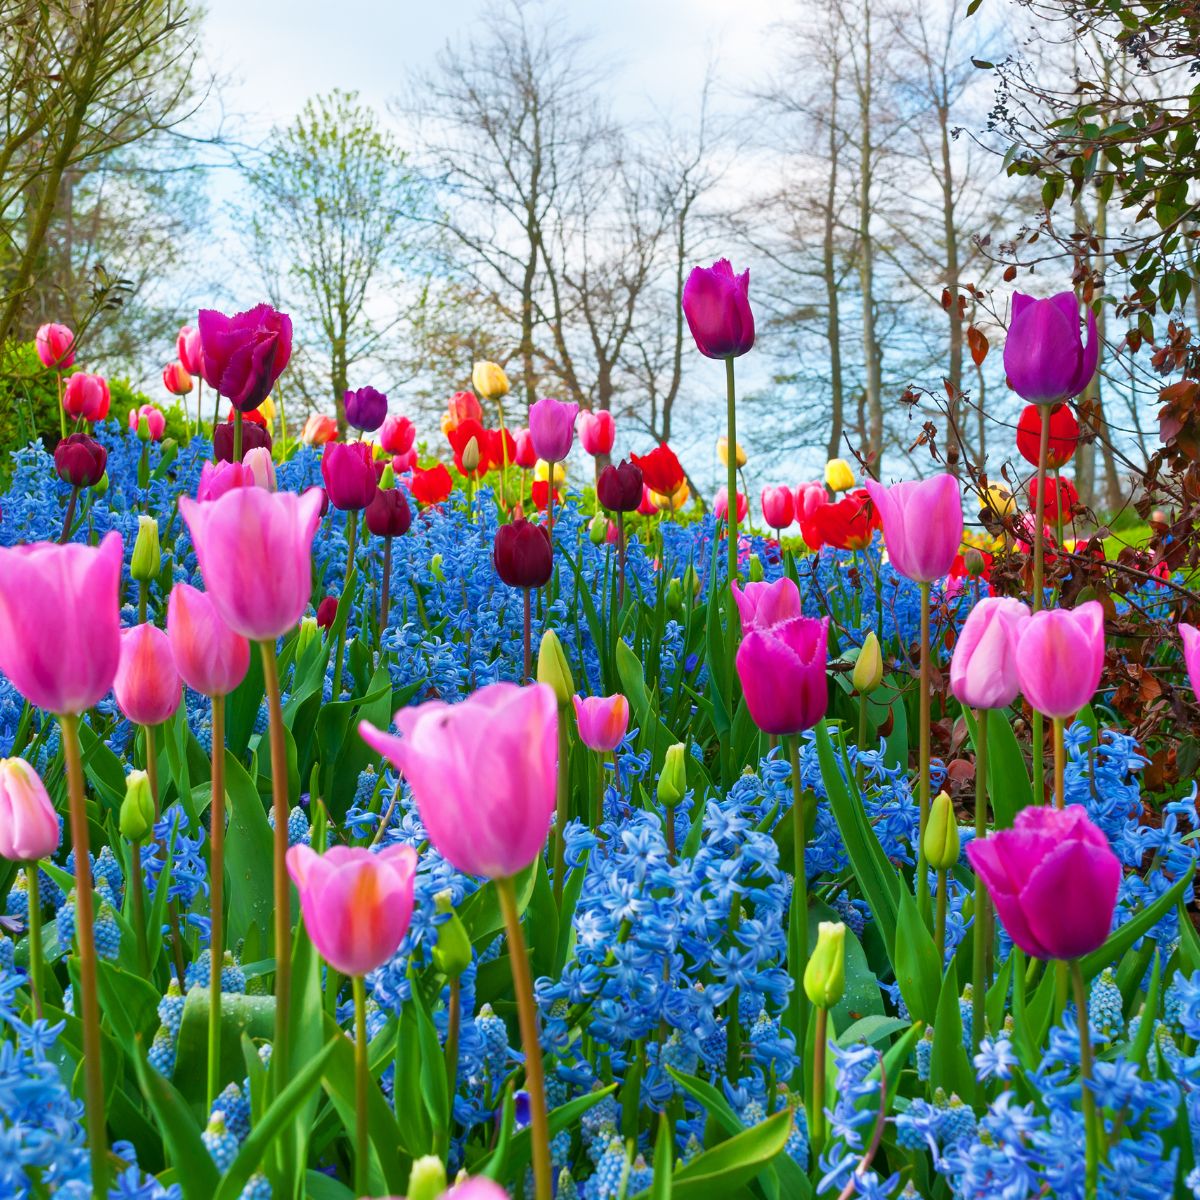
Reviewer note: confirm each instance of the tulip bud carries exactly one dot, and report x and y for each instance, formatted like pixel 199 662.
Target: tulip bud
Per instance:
pixel 756 569
pixel 838 475
pixel 137 809
pixel 470 456
pixel 435 568
pixel 675 595
pixel 554 670
pixel 974 563
pixel 143 429
pixel 489 380
pixel 598 529
pixel 101 488
pixel 941 834
pixel 452 950
pixel 147 553
pixel 309 634
pixel 427 1179
pixel 672 783
pixel 825 975
pixel 691 581
pixel 388 479
pixel 868 669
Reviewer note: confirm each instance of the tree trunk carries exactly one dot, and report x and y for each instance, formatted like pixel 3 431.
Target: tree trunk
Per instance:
pixel 950 235
pixel 866 263
pixel 833 318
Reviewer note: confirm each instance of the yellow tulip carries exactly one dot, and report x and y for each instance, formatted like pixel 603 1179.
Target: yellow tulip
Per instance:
pixel 489 381
pixel 999 500
pixel 541 472
pixel 675 502
pixel 723 452
pixel 267 408
pixel 838 475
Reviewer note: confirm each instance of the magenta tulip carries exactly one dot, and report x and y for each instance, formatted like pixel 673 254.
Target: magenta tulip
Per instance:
pixel 778 507
pixel 483 772
pixel 86 396
pixel 782 671
pixel 597 431
pixel 218 478
pixel 254 549
pixel 716 303
pixel 60 629
pixel 147 684
pixel 602 720
pixel 1191 654
pixel 922 525
pixel 28 822
pixel 55 346
pixel 242 356
pixel 357 904
pixel 1045 358
pixel 983 671
pixel 211 658
pixel 1060 658
pixel 552 428
pixel 348 470
pixel 187 347
pixel 397 435
pixel 763 605
pixel 1053 879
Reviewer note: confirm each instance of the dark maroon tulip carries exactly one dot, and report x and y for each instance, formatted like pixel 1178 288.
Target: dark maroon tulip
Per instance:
pixel 242 356
pixel 327 611
pixel 523 554
pixel 348 469
pixel 80 460
pixel 365 408
pixel 388 514
pixel 619 488
pixel 324 503
pixel 253 435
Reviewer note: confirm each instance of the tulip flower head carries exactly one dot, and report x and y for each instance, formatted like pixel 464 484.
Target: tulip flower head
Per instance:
pixel 661 470
pixel 1060 658
pixel 176 379
pixel 366 408
pixel 388 513
pixel 1191 654
pixel 187 348
pixel 397 434
pixel 148 422
pixel 462 406
pixel 86 396
pixel 147 684
pixel 983 671
pixel 432 486
pixel 210 657
pixel 716 304
pixel 55 347
pixel 1045 357
pixel 922 525
pixel 1064 435
pixel 552 427
pixel 28 822
pixel 848 524
pixel 259 466
pixel 602 720
pixel 778 507
pixel 319 429
pixel 242 356
pixel 597 431
pixel 763 605
pixel 1061 497
pixel 489 380
pixel 782 672
pixel 80 460
pixel 723 452
pixel 348 470
pixel 619 488
pixel 838 475
pixel 523 554
pixel 254 437
pixel 721 505
pixel 525 456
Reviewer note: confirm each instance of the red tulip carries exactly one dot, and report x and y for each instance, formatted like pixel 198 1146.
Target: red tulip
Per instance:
pixel 319 429
pixel 431 486
pixel 1062 490
pixel 327 612
pixel 847 525
pixel 176 379
pixel 397 435
pixel 469 438
pixel 463 406
pixel 525 456
pixel 1064 435
pixel 187 347
pixel 661 471
pixel 86 396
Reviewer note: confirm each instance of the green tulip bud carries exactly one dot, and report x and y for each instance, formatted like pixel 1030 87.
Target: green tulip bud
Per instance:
pixel 137 809
pixel 388 478
pixel 598 529
pixel 825 975
pixel 675 595
pixel 672 783
pixel 452 950
pixel 100 488
pixel 756 569
pixel 310 633
pixel 941 834
pixel 143 429
pixel 974 563
pixel 427 1179
pixel 147 553
pixel 554 670
pixel 435 568
pixel 868 669
pixel 691 581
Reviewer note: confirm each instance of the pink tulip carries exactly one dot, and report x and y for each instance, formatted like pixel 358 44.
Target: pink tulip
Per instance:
pixel 782 671
pixel 217 478
pixel 86 396
pixel 147 684
pixel 176 379
pixel 478 1188
pixel 187 347
pixel 28 823
pixel 1053 879
pixel 597 431
pixel 922 525
pixel 778 507
pixel 397 435
pixel 260 466
pixel 1045 358
pixel 526 456
pixel 809 497
pixel 55 347
pixel 716 303
pixel 763 605
pixel 552 428
pixel 1191 654
pixel 348 469
pixel 983 671
pixel 60 629
pixel 1060 658
pixel 211 658
pixel 403 463
pixel 721 505
pixel 483 772
pixel 602 721
pixel 357 904
pixel 156 423
pixel 254 549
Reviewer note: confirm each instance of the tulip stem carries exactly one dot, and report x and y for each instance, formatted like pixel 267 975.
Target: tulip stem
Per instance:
pixel 70 516
pixel 518 958
pixel 818 1096
pixel 362 1079
pixel 280 1062
pixel 923 897
pixel 621 557
pixel 939 923
pixel 37 964
pixel 1060 756
pixel 346 599
pixel 199 403
pixel 87 1001
pixel 62 412
pixel 528 661
pixel 983 916
pixel 385 590
pixel 453 1028
pixel 799 917
pixel 216 870
pixel 216 420
pixel 561 801
pixel 1037 600
pixel 550 501
pixel 237 435
pixel 137 885
pixel 1090 1122
pixel 733 626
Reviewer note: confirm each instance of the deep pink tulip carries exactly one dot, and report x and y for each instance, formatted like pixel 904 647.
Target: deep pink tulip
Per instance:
pixel 552 428
pixel 219 477
pixel 403 463
pixel 86 396
pixel 1053 879
pixel 55 346
pixel 716 303
pixel 721 505
pixel 156 423
pixel 254 548
pixel 398 434
pixel 348 470
pixel 357 904
pixel 1191 654
pixel 483 772
pixel 243 355
pixel 187 347
pixel 176 379
pixel 602 720
pixel 809 497
pixel 211 658
pixel 762 605
pixel 983 671
pixel 922 525
pixel 597 431
pixel 782 670
pixel 28 823
pixel 1045 358
pixel 60 628
pixel 778 507
pixel 147 684
pixel 1060 658
pixel 526 456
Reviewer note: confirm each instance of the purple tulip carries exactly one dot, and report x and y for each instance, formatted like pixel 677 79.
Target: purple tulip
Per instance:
pixel 1053 879
pixel 716 303
pixel 242 356
pixel 922 525
pixel 1044 356
pixel 782 669
pixel 552 428
pixel 365 408
pixel 1060 658
pixel 983 671
pixel 1191 654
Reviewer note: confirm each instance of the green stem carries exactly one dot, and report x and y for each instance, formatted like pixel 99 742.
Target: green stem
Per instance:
pixel 62 412
pixel 561 801
pixel 1090 1119
pixel 799 892
pixel 385 589
pixel 983 916
pixel 453 1027
pixel 143 599
pixel 340 651
pixel 550 501
pixel 818 1106
pixel 939 924
pixel 527 660
pixel 217 895
pixel 923 759
pixel 1060 761
pixel 70 516
pixel 362 1079
pixel 37 962
pixel 237 434
pixel 1038 598
pixel 733 629
pixel 138 886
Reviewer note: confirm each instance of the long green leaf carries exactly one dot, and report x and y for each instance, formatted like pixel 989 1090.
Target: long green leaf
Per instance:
pixel 1125 935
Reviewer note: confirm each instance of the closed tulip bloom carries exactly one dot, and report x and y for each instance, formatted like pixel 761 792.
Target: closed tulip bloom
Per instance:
pixel 219 477
pixel 1053 879
pixel 526 456
pixel 155 423
pixel 523 554
pixel 597 431
pixel 55 346
pixel 254 436
pixel 809 497
pixel 60 631
pixel 1191 654
pixel 176 379
pixel 838 475
pixel 397 434
pixel 723 452
pixel 462 406
pixel 782 671
pixel 28 822
pixel 403 463
pixel 483 773
pixel 365 408
pixel 1060 658
pixel 242 356
pixel 489 380
pixel 762 605
pixel 1045 357
pixel 619 488
pixel 147 684
pixel 648 506
pixel 661 469
pixel 983 671
pixel 187 347
pixel 1061 497
pixel 602 720
pixel 922 525
pixel 86 396
pixel 210 657
pixel 254 549
pixel 327 612
pixel 388 514
pixel 258 464
pixel 552 427
pixel 80 460
pixel 716 303
pixel 348 470
pixel 1064 435
pixel 998 501
pixel 721 505
pixel 319 429
pixel 778 507
pixel 357 904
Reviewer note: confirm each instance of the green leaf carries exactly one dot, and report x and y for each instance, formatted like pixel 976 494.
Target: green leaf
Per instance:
pixel 871 1030
pixel 1140 1050
pixel 1125 935
pixel 480 912
pixel 248 853
pixel 660 1186
pixel 1009 789
pixel 918 969
pixel 949 1066
pixel 253 1016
